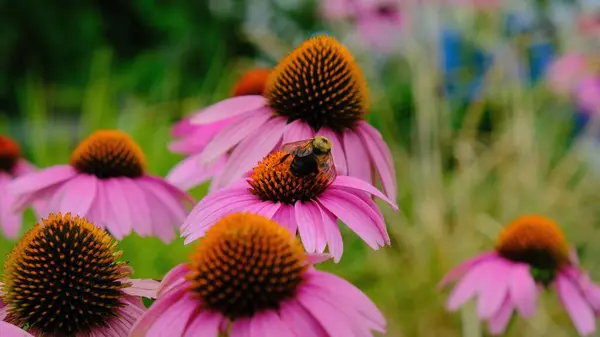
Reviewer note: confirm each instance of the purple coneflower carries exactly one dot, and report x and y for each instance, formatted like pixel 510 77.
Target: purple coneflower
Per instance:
pixel 12 165
pixel 316 90
pixel 250 277
pixel 310 204
pixel 106 182
pixel 64 278
pixel 531 254
pixel 193 138
pixel 9 330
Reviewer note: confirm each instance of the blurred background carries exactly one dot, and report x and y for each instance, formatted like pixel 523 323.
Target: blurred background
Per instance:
pixel 488 106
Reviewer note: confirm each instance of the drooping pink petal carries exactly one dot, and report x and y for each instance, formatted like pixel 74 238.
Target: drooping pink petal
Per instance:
pixel 296 131
pixel 566 71
pixel 171 202
pixel 240 328
pixel 10 219
pixel 139 210
pixel 470 284
pixel 215 204
pixel 200 135
pixel 174 277
pixel 98 212
pixel 190 172
pixel 494 289
pixel 117 205
pixel 183 127
pixel 274 326
pixel 461 269
pixel 264 208
pixel 173 320
pixel 250 151
pixel 23 167
pixel 233 134
pixel 78 194
pixel 317 258
pixel 332 235
pixel 9 330
pixel 361 186
pixel 308 218
pixel 31 183
pixel 580 311
pixel 148 321
pixel 348 209
pixel 498 323
pixel 286 217
pixel 142 288
pixel 227 108
pixel 355 157
pixel 300 320
pixel 523 290
pixel 337 150
pixel 203 324
pixel 381 156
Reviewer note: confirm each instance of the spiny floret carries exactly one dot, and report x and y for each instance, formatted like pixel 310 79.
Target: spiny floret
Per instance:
pixel 319 83
pixel 245 264
pixel 272 180
pixel 64 277
pixel 535 240
pixel 109 154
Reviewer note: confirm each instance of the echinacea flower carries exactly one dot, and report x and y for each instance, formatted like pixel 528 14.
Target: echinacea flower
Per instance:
pixel 9 330
pixel 193 138
pixel 12 165
pixel 64 278
pixel 106 181
pixel 531 253
pixel 250 277
pixel 308 204
pixel 317 89
pixel 567 71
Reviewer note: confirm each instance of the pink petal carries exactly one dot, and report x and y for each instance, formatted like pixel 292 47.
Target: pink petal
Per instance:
pixel 231 107
pixel 161 222
pixel 300 320
pixel 580 311
pixel 286 217
pixel 296 131
pixel 337 150
pixel 334 322
pixel 317 258
pixel 78 195
pixel 240 328
pixel 250 151
pixel 348 209
pixel 265 208
pixel 173 321
pixel 355 156
pixel 362 186
pixel 117 205
pixel 381 156
pixel 308 218
pixel 142 288
pixel 523 290
pixel 139 210
pixel 34 182
pixel 204 324
pixel 98 211
pixel 10 220
pixel 464 267
pixel 274 326
pixel 148 321
pixel 494 289
pixel 232 135
pixel 169 200
pixel 498 323
pixel 9 330
pixel 23 167
pixel 190 173
pixel 470 284
pixel 332 235
pixel 174 277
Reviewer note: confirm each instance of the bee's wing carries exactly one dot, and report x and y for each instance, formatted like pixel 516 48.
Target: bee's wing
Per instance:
pixel 300 148
pixel 328 167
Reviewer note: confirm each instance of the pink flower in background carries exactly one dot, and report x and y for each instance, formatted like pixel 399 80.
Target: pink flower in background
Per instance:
pixel 316 90
pixel 96 299
pixel 587 94
pixel 249 277
pixel 106 181
pixel 589 24
pixel 193 138
pixel 567 71
pixel 309 204
pixel 531 253
pixel 12 166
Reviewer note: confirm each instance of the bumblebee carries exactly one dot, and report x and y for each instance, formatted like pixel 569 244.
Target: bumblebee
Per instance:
pixel 311 156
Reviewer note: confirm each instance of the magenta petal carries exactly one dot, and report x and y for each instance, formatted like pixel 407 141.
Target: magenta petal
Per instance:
pixel 34 182
pixel 142 288
pixel 337 151
pixel 204 324
pixel 469 285
pixel 23 167
pixel 333 320
pixel 10 219
pixel 148 321
pixel 464 267
pixel 174 276
pixel 494 289
pixel 139 210
pixel 382 157
pixel 9 330
pixel 333 236
pixel 349 209
pixel 355 157
pixel 173 320
pixel 296 131
pixel 79 194
pixel 498 323
pixel 274 326
pixel 250 151
pixel 286 217
pixel 240 328
pixel 232 134
pixel 523 290
pixel 190 173
pixel 99 209
pixel 231 107
pixel 317 258
pixel 300 320
pixel 362 186
pixel 118 204
pixel 308 218
pixel 580 311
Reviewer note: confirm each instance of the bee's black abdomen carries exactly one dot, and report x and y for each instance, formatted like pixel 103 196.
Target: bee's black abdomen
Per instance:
pixel 303 166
